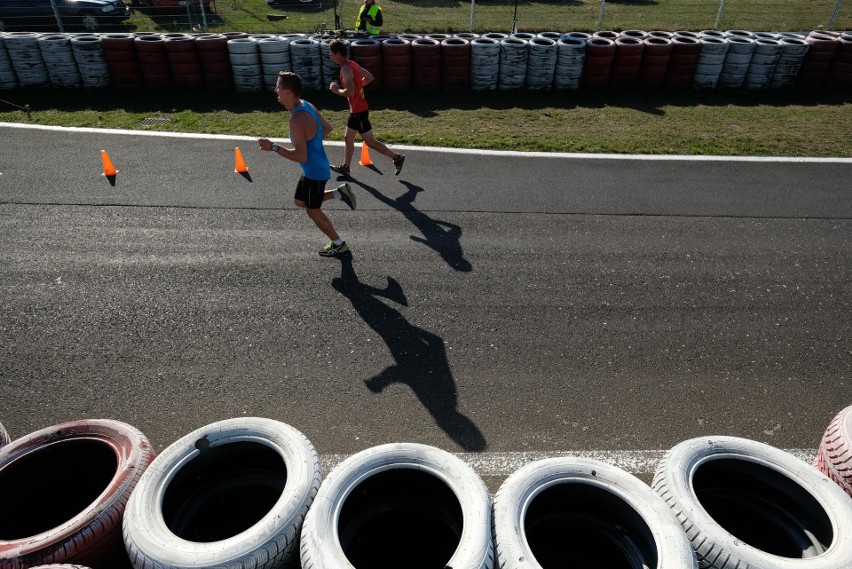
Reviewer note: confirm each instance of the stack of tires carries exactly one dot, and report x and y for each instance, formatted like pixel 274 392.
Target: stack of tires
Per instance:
pixel 737 61
pixel 818 59
pixel 455 64
pixel 368 54
pixel 839 73
pixel 120 55
pixel 793 51
pixel 274 57
pixel 597 65
pixel 541 65
pixel 244 57
pixel 396 56
pixel 25 55
pixel 710 62
pixel 8 79
pixel 59 60
pixel 89 55
pixel 655 61
pixel 627 61
pixel 767 52
pixel 570 57
pixel 306 60
pixel 484 63
pixel 153 61
pixel 514 55
pixel 426 59
pixel 685 49
pixel 213 57
pixel 184 64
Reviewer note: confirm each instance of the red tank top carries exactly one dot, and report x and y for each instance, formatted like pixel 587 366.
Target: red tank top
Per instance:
pixel 357 101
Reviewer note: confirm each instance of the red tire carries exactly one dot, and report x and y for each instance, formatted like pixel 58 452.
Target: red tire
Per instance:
pixel 63 491
pixel 834 457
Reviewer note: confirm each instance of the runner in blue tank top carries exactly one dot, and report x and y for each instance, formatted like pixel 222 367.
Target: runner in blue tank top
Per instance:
pixel 307 129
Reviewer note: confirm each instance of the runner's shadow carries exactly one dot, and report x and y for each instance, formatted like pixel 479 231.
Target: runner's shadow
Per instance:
pixel 442 236
pixel 421 360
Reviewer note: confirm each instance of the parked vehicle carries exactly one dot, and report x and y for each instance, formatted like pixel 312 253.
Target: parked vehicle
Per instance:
pixel 39 15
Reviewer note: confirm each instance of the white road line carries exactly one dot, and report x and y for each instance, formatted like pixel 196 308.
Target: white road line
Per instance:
pixel 468 151
pixel 504 463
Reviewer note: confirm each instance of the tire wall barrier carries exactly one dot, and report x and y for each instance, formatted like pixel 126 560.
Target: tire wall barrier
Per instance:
pixel 629 60
pixel 63 492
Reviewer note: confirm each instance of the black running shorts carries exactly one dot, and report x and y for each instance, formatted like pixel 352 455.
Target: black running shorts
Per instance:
pixel 360 122
pixel 311 192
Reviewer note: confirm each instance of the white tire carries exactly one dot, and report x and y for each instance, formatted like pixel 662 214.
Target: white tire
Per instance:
pixel 4 436
pixel 399 505
pixel 232 494
pixel 748 505
pixel 575 512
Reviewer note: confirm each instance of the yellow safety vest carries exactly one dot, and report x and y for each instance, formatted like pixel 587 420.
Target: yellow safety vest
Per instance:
pixel 373 11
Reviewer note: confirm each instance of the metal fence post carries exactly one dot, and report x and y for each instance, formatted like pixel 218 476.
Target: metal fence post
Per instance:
pixel 719 14
pixel 472 11
pixel 58 17
pixel 834 15
pixel 601 14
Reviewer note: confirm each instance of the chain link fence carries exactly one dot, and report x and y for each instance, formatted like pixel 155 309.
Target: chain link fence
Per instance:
pixel 434 16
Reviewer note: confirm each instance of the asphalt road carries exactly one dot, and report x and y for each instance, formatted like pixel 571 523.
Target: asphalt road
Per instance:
pixel 493 302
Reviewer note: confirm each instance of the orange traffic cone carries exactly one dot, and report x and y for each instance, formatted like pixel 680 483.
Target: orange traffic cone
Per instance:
pixel 365 156
pixel 241 167
pixel 109 169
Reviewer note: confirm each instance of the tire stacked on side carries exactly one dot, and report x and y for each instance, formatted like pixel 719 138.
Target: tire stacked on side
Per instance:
pixel 570 56
pixel 576 512
pixel 330 70
pixel 766 54
pixel 231 494
pixel 213 58
pixel 455 64
pixel 684 58
pixel 514 55
pixel 63 491
pixel 8 79
pixel 737 61
pixel 26 59
pixel 120 55
pixel 306 60
pixel 484 64
pixel 244 56
pixel 368 54
pixel 274 57
pixel 88 52
pixel 153 61
pixel 710 62
pixel 655 62
pixel 396 58
pixel 818 60
pixel 834 457
pixel 793 51
pixel 184 64
pixel 626 62
pixel 426 59
pixel 597 66
pixel 541 65
pixel 59 59
pixel 839 73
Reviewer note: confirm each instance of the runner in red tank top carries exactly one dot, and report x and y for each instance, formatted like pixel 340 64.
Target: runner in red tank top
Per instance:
pixel 353 79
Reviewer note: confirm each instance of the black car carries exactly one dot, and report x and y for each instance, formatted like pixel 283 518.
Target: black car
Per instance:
pixel 39 15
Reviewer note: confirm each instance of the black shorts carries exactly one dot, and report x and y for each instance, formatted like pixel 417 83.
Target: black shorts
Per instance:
pixel 311 192
pixel 360 122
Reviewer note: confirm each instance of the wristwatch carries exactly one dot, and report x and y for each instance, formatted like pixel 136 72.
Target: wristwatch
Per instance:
pixel 274 147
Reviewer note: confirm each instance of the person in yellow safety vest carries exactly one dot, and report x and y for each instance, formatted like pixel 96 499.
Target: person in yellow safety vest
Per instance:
pixel 369 18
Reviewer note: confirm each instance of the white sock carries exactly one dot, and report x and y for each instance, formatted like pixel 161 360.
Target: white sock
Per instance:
pixel 336 194
pixel 337 242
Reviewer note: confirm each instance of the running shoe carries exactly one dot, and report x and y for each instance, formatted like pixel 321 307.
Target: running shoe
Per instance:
pixel 398 162
pixel 347 196
pixel 331 249
pixel 342 169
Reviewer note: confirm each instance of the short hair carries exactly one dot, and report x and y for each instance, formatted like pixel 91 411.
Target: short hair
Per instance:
pixel 290 81
pixel 337 46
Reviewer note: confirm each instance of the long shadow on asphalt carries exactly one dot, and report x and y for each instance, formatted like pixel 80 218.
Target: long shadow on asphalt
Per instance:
pixel 442 236
pixel 421 360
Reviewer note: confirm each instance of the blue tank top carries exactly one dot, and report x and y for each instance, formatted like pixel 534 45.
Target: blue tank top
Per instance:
pixel 317 166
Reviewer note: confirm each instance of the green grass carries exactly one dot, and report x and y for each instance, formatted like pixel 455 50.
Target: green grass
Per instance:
pixel 735 123
pixel 498 15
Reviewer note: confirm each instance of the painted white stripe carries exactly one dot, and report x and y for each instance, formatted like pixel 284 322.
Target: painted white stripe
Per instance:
pixel 467 151
pixel 505 463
